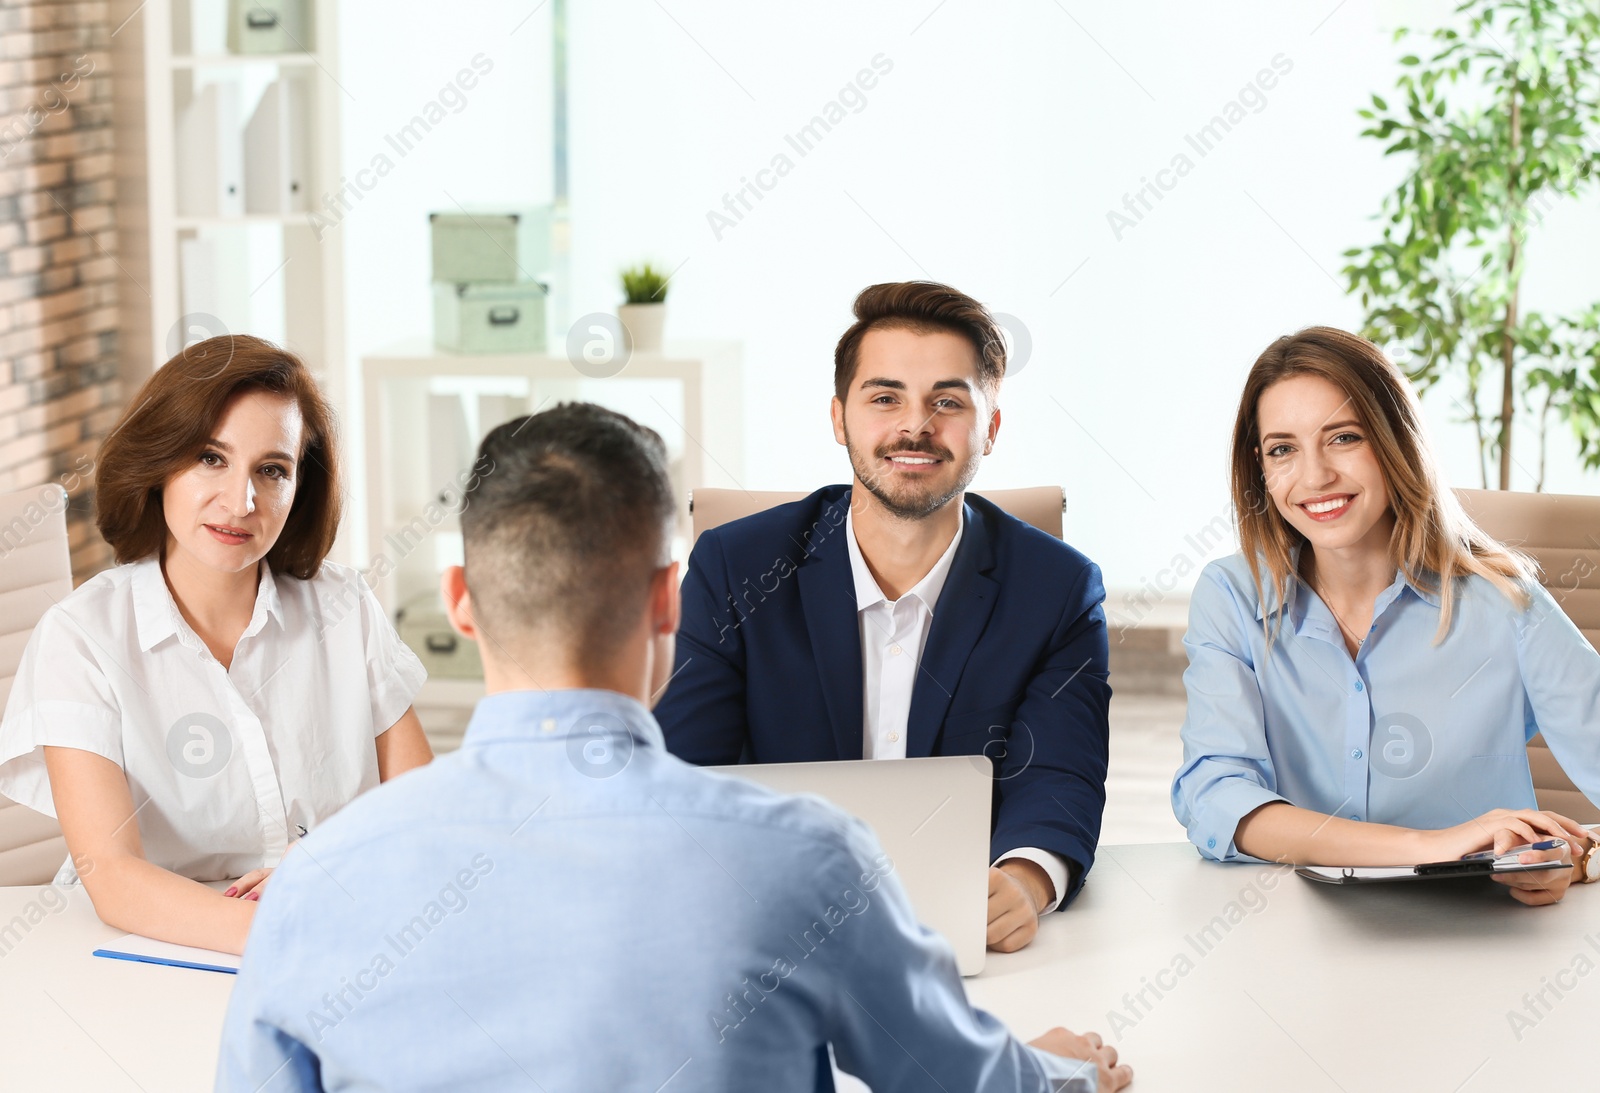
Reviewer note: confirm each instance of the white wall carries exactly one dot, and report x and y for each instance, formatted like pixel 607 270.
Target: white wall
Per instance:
pixel 988 157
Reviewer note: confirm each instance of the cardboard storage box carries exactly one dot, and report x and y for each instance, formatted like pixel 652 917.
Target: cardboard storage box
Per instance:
pixel 474 247
pixel 424 627
pixel 490 318
pixel 269 26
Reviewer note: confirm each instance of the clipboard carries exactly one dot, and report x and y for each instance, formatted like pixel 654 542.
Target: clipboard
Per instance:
pixel 147 950
pixel 1447 870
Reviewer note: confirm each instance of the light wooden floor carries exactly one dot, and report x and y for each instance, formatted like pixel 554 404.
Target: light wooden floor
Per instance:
pixel 1145 753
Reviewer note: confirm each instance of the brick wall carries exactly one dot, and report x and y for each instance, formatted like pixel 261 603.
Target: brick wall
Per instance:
pixel 59 278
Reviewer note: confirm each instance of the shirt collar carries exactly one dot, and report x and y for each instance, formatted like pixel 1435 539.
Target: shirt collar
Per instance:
pixel 1297 604
pixel 268 605
pixel 156 613
pixel 572 714
pixel 153 609
pixel 926 590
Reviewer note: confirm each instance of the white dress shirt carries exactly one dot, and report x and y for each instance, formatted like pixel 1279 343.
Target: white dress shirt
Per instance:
pixel 227 766
pixel 893 633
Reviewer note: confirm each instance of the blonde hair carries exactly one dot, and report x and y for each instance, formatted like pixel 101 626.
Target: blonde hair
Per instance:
pixel 1433 542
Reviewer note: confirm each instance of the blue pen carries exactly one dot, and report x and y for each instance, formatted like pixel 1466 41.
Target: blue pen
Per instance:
pixel 1544 844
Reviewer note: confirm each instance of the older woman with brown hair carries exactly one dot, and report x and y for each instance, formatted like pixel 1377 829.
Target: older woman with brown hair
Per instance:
pixel 1365 674
pixel 192 712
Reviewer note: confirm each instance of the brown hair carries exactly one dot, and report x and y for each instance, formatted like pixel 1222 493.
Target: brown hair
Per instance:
pixel 167 425
pixel 922 307
pixel 1434 541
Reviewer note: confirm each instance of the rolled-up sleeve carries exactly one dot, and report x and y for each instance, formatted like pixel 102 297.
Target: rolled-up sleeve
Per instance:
pixel 1227 770
pixel 1561 676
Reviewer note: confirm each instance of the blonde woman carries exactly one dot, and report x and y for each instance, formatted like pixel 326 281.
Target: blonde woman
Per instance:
pixel 1365 673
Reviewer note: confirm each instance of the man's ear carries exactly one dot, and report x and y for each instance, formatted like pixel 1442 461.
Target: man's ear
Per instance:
pixel 994 430
pixel 458 601
pixel 666 602
pixel 836 412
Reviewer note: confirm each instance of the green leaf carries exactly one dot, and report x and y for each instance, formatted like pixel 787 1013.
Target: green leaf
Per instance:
pixel 1445 229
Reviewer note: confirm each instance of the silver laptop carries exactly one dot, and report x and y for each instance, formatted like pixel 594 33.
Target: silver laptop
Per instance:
pixel 932 817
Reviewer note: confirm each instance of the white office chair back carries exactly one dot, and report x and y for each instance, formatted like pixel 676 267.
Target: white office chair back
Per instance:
pixel 1558 532
pixel 35 572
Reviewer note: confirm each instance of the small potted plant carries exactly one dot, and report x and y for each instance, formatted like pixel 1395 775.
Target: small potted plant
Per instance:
pixel 645 311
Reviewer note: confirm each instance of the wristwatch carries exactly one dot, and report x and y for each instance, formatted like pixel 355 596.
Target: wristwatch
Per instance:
pixel 1588 863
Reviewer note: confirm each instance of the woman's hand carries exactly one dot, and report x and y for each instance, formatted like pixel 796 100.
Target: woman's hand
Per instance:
pixel 1502 829
pixel 1545 886
pixel 94 804
pixel 251 885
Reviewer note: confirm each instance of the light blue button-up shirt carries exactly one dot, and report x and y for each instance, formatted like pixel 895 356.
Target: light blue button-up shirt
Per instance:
pixel 563 905
pixel 1407 732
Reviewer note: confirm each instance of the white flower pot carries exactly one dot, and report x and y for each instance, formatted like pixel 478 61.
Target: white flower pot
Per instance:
pixel 643 323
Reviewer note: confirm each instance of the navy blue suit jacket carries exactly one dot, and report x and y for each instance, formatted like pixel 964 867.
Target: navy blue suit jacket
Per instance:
pixel 768 665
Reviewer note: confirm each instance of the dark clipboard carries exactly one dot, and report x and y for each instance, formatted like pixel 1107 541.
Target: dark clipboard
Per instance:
pixel 1453 870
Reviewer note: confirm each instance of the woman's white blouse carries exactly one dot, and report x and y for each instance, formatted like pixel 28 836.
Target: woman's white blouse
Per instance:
pixel 227 766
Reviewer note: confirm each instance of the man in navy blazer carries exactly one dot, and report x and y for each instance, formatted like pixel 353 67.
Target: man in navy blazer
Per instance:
pixel 899 616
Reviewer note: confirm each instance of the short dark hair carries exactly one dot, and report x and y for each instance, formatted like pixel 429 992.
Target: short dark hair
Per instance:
pixel 922 307
pixel 569 519
pixel 171 419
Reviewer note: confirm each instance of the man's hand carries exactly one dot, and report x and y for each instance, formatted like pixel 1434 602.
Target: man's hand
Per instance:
pixel 1018 890
pixel 1091 1049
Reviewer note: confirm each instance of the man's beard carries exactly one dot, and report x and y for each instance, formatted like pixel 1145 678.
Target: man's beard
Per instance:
pixel 913 502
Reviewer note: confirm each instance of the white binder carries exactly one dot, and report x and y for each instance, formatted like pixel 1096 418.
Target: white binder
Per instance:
pixel 210 168
pixel 276 153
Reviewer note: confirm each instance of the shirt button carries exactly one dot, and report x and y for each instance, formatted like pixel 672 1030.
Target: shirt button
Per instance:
pixel 1355 817
pixel 1356 754
pixel 894 650
pixel 548 724
pixel 1211 844
pixel 892 737
pixel 1360 686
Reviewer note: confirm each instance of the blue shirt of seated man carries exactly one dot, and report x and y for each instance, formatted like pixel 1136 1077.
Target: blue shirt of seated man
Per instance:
pixel 563 900
pixel 562 904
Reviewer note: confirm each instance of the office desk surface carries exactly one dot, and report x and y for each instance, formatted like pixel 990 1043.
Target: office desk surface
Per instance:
pixel 1243 978
pixel 72 1021
pixel 1235 978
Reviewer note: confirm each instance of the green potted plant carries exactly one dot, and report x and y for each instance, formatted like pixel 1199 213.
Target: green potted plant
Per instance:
pixel 645 310
pixel 1496 120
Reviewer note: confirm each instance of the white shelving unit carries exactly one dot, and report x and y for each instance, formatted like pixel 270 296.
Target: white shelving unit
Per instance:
pixel 426 412
pixel 248 272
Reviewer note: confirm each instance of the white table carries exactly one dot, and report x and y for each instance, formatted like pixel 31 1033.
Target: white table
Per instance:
pixel 1314 988
pixel 72 1021
pixel 1322 988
